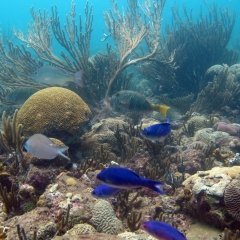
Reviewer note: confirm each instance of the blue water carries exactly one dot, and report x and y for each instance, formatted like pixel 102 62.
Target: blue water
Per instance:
pixel 16 13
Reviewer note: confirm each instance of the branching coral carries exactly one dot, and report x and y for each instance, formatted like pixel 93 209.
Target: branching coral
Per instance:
pixel 62 224
pixel 3 171
pixel 128 31
pixel 133 221
pixel 22 234
pixel 17 66
pixel 40 39
pixel 204 39
pixel 125 203
pixel 73 39
pixel 11 138
pixel 10 199
pixel 218 93
pixel 230 235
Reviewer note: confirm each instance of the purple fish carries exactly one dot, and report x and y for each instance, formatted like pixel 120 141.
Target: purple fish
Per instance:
pixel 162 230
pixel 157 132
pixel 127 179
pixel 105 191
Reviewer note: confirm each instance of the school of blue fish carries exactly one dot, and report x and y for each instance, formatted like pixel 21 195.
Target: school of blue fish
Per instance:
pixel 114 179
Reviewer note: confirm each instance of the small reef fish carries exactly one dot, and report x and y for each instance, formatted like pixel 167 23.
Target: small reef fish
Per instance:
pixel 157 132
pixel 135 102
pixel 57 76
pixel 124 178
pixel 162 230
pixel 105 191
pixel 42 147
pixel 20 95
pixel 71 167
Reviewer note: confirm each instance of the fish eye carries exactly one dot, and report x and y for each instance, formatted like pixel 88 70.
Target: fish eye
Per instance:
pixel 144 226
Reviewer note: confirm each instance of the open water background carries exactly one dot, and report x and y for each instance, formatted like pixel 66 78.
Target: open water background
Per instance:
pixel 16 13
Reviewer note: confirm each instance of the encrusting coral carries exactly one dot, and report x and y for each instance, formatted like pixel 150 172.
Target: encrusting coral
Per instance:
pixel 54 112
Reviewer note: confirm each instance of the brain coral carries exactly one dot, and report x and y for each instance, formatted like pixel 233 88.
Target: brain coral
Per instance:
pixel 104 218
pixel 231 198
pixel 56 112
pixel 199 122
pixel 207 135
pixel 81 229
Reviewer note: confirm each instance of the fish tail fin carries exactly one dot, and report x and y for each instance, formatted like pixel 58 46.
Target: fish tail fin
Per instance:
pixel 61 150
pixel 78 78
pixel 160 108
pixel 154 185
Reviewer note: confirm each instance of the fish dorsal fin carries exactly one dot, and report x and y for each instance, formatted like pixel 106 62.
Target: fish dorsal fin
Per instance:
pixel 166 123
pixel 128 170
pixel 134 173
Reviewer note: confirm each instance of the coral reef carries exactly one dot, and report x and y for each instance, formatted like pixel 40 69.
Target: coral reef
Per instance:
pixel 198 121
pixel 128 31
pixel 209 190
pixel 40 216
pixel 11 139
pixel 102 133
pixel 55 112
pixel 10 199
pixel 104 219
pixel 198 162
pixel 207 135
pixel 231 198
pixel 218 93
pixel 81 229
pixel 231 129
pixel 187 41
pixel 16 96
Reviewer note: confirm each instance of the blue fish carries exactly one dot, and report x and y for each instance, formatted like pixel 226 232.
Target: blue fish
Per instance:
pixel 162 230
pixel 127 179
pixel 105 191
pixel 157 132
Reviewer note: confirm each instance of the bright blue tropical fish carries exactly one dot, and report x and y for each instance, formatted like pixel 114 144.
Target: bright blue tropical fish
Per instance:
pixel 127 179
pixel 42 147
pixel 157 132
pixel 105 191
pixel 57 76
pixel 162 230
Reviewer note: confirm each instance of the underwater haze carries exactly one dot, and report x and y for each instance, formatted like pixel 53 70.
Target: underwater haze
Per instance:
pixel 17 14
pixel 120 119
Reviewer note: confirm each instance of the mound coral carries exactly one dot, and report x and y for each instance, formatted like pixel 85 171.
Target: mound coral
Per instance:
pixel 231 198
pixel 55 112
pixel 228 128
pixel 104 218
